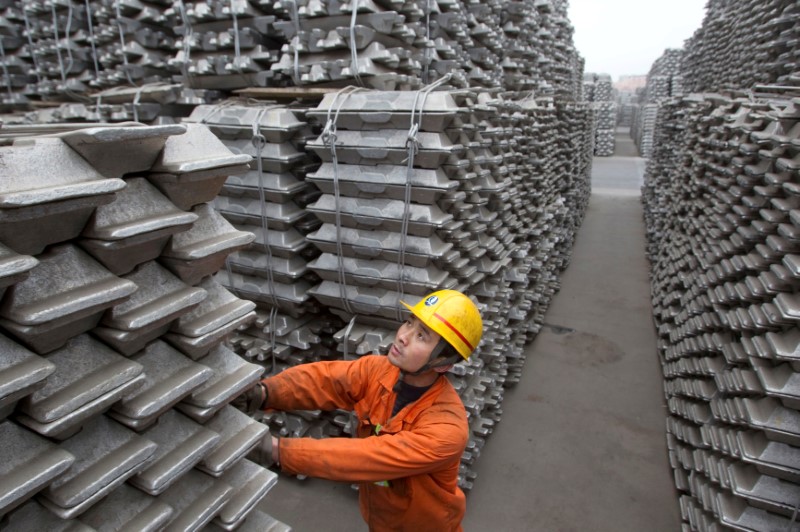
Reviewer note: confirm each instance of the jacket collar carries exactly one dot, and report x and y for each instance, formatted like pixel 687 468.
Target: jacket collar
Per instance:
pixel 389 379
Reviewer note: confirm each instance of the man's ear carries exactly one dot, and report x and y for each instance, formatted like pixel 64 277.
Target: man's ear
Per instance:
pixel 443 369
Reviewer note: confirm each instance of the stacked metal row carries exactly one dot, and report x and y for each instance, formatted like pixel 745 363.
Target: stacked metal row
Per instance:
pixel 743 44
pixel 67 50
pixel 115 381
pixel 722 199
pixel 663 81
pixel 270 200
pixel 598 89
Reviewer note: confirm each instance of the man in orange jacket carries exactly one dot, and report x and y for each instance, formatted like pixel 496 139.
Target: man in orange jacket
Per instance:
pixel 412 426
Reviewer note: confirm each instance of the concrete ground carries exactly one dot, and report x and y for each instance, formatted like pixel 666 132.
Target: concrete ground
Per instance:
pixel 581 445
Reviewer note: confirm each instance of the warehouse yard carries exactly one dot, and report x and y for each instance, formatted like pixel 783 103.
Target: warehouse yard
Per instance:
pixel 213 212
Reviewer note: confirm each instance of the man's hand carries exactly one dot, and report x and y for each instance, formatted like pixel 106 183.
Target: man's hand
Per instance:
pixel 252 400
pixel 267 452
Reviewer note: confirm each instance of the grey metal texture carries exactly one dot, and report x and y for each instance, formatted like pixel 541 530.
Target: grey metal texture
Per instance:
pixel 276 188
pixel 275 157
pixel 45 180
pixel 538 155
pixel 196 150
pixel 386 245
pixel 198 331
pixel 239 435
pixel 252 483
pixel 380 214
pixel 29 463
pixel 34 516
pixel 232 376
pixel 277 124
pixel 389 110
pixel 201 251
pixel 160 299
pixel 389 146
pixel 117 150
pixel 380 273
pixel 106 454
pixel 257 521
pixel 22 373
pixel 63 297
pixel 383 181
pixel 285 296
pixel 134 228
pixel 83 365
pixel 14 267
pixel 192 167
pixel 284 244
pixel 127 509
pixel 182 443
pixel 256 263
pixel 248 211
pixel 197 498
pixel 169 377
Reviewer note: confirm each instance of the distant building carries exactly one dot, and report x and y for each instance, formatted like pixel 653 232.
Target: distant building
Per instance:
pixel 630 83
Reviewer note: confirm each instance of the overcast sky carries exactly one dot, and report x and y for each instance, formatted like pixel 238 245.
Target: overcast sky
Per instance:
pixel 620 37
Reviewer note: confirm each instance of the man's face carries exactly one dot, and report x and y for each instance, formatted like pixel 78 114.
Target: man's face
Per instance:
pixel 412 345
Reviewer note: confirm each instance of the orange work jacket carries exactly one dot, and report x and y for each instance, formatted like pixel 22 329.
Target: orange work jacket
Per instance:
pixel 406 466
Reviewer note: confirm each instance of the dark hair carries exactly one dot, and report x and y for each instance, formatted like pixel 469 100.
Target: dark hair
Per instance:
pixel 449 351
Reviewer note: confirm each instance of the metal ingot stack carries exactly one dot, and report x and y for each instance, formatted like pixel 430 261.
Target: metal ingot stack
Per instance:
pixel 598 90
pixel 743 44
pixel 74 49
pixel 269 200
pixel 378 44
pixel 561 71
pixel 116 382
pixel 522 44
pixel 725 275
pixel 664 80
pixel 223 45
pixel 71 48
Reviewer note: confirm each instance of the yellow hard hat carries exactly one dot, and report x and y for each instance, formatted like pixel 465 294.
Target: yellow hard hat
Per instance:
pixel 454 316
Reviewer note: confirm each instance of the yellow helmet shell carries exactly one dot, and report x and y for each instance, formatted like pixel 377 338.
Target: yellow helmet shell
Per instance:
pixel 453 316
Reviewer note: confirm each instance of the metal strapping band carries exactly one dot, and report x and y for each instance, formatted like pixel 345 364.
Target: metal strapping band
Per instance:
pixel 412 145
pixel 5 69
pixel 91 38
pixel 28 31
pixel 329 134
pixel 236 45
pixel 296 20
pixel 122 44
pixel 353 49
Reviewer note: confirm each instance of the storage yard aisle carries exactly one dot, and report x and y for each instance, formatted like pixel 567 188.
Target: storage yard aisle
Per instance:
pixel 581 445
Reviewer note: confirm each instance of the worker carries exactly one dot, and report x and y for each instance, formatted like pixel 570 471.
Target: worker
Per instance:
pixel 411 424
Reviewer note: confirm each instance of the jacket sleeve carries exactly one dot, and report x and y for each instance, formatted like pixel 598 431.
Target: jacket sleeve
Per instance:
pixel 436 438
pixel 319 385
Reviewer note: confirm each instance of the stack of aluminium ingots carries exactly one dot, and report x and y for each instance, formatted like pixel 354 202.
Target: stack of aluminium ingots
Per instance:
pixel 598 90
pixel 664 80
pixel 115 380
pixel 721 198
pixel 372 43
pixel 270 200
pixel 70 49
pixel 742 44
